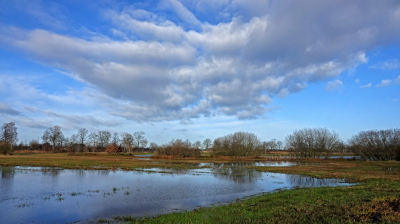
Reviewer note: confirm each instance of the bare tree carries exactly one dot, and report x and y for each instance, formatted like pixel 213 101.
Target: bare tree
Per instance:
pixel 104 138
pixel 313 142
pixel 279 145
pixel 139 140
pixel 9 133
pixel 197 144
pixel 237 144
pixel 61 141
pixel 272 144
pixel 377 145
pixel 74 139
pixel 93 140
pixel 207 143
pixel 188 143
pixel 153 145
pixel 115 138
pixel 82 135
pixel 53 136
pixel 127 142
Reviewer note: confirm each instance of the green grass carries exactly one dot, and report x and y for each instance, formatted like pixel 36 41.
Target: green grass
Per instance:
pixel 376 199
pixel 100 161
pixel 308 205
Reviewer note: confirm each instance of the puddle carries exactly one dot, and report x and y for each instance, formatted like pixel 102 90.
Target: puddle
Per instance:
pixel 51 195
pixel 150 155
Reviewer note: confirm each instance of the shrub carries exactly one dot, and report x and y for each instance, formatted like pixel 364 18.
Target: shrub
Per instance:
pixel 377 145
pixel 237 144
pixel 5 147
pixel 178 148
pixel 34 145
pixel 113 148
pixel 313 142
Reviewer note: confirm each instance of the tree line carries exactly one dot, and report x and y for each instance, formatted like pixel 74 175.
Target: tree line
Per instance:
pixel 303 143
pixel 85 141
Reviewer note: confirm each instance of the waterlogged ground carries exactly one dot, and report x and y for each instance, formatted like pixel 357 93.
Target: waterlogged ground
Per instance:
pixel 51 195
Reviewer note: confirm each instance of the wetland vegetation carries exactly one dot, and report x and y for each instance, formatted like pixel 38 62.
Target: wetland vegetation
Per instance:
pixel 177 182
pixel 374 197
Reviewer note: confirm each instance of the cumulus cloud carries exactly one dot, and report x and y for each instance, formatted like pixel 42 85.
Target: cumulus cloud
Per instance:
pixel 161 70
pixel 366 86
pixel 384 83
pixel 337 84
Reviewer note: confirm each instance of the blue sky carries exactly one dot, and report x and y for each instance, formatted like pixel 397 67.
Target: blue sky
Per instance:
pixel 196 69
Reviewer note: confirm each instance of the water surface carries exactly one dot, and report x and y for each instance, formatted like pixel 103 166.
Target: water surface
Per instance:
pixel 49 195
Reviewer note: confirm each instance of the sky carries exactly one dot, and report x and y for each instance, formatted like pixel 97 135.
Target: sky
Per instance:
pixel 196 69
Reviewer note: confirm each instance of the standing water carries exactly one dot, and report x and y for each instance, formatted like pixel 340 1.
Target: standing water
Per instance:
pixel 49 195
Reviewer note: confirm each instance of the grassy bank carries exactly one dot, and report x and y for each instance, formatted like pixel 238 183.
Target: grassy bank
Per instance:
pixel 376 199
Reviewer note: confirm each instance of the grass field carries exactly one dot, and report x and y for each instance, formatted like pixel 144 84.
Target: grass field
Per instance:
pixel 106 161
pixel 375 199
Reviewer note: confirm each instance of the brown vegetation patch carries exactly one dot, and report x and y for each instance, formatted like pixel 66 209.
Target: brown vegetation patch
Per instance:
pixel 378 210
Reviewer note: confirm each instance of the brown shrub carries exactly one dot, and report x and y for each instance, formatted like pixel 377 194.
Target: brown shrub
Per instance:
pixel 379 210
pixel 113 148
pixel 178 148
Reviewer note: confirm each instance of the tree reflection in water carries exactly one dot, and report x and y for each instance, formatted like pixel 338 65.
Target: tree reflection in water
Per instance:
pixel 235 172
pixel 306 181
pixel 7 172
pixel 51 171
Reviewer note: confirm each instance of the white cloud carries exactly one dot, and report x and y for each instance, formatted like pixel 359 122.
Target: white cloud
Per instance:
pixel 335 85
pixel 162 71
pixel 366 86
pixel 183 13
pixel 388 65
pixel 357 81
pixel 397 80
pixel 384 83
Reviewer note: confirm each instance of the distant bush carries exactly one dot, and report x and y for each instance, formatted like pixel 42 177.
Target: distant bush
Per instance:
pixel 377 145
pixel 77 148
pixel 34 145
pixel 237 144
pixel 313 142
pixel 113 148
pixel 178 148
pixel 5 147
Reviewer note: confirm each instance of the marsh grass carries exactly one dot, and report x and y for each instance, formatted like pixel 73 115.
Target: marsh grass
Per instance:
pixel 76 194
pixel 375 199
pixel 115 189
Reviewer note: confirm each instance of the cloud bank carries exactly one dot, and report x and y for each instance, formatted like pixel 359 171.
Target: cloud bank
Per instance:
pixel 155 68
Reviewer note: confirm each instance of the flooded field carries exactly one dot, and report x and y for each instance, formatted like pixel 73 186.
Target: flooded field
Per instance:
pixel 49 195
